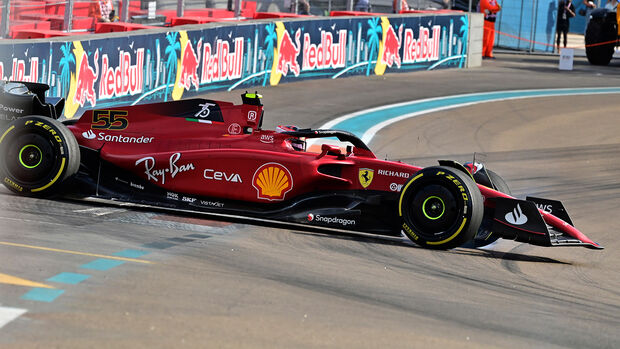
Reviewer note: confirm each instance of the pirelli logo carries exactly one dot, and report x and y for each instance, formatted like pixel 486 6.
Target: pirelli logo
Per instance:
pixel 46 127
pixel 457 182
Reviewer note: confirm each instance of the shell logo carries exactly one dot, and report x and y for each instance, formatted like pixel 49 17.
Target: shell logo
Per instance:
pixel 272 181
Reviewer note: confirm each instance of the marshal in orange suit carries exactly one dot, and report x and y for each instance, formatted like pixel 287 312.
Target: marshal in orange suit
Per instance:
pixel 490 8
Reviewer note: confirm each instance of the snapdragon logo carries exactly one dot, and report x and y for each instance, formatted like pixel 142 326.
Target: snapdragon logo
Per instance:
pixel 330 220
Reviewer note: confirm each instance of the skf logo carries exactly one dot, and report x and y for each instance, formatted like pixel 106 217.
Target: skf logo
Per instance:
pixel 365 176
pixel 252 116
pixel 272 181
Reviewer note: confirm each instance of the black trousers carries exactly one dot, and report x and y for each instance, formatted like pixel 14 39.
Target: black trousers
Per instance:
pixel 562 29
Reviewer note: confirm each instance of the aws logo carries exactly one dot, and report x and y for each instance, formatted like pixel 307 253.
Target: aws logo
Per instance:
pixel 272 181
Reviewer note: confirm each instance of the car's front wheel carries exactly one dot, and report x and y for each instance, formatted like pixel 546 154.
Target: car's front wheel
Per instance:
pixel 440 208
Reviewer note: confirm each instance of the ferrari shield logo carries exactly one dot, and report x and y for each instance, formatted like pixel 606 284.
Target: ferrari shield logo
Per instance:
pixel 365 176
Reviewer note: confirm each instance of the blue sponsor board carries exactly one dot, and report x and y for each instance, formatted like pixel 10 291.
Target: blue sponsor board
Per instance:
pixel 146 68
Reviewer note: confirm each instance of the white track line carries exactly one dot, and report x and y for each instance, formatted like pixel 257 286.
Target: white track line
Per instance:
pixel 9 314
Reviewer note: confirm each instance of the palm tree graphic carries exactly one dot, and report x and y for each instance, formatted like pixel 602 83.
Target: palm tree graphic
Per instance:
pixel 172 51
pixel 270 39
pixel 372 35
pixel 65 68
pixel 464 39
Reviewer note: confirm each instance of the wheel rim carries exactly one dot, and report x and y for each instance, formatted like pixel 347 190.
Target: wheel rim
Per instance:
pixel 434 211
pixel 433 207
pixel 30 156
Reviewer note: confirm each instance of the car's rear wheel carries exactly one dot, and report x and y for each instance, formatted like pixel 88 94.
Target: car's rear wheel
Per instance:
pixel 36 155
pixel 485 236
pixel 440 208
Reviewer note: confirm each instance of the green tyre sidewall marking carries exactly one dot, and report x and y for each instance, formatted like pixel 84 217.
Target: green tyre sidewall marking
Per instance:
pixel 443 209
pixel 21 161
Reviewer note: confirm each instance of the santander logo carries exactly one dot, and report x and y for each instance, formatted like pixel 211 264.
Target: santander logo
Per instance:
pixel 89 134
pixel 516 216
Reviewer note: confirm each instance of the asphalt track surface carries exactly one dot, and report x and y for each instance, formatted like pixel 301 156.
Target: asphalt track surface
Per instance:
pixel 185 282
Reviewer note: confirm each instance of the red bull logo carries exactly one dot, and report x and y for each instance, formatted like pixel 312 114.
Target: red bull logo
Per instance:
pixel 327 54
pixel 423 49
pixel 391 46
pixel 223 63
pixel 125 79
pixel 189 66
pixel 287 54
pixel 85 78
pixel 18 71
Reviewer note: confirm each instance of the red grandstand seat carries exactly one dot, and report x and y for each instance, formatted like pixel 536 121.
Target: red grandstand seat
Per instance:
pixel 261 15
pixel 353 13
pixel 112 27
pixel 18 25
pixel 25 7
pixel 39 33
pixel 248 9
pixel 194 20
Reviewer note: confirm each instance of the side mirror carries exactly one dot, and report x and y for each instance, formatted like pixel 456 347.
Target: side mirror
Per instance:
pixel 331 150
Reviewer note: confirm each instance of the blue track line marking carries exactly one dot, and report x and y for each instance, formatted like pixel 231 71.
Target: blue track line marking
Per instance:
pixel 102 264
pixel 131 253
pixel 366 123
pixel 42 294
pixel 69 278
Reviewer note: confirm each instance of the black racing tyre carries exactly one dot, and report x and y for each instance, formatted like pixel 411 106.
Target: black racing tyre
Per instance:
pixel 440 208
pixel 485 236
pixel 600 31
pixel 36 155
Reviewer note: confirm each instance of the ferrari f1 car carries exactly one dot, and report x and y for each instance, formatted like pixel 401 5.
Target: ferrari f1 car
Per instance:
pixel 204 156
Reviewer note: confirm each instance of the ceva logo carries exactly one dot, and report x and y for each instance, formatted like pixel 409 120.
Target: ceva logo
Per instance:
pixel 516 216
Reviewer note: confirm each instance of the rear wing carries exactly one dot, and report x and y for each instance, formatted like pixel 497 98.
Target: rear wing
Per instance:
pixel 19 99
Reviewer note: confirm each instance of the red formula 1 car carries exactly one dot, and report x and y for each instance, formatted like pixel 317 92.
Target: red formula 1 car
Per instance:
pixel 213 157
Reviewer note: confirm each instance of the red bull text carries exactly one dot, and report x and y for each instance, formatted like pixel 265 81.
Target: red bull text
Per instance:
pixel 423 49
pixel 327 54
pixel 123 80
pixel 223 64
pixel 18 71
